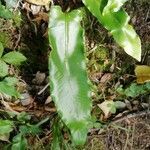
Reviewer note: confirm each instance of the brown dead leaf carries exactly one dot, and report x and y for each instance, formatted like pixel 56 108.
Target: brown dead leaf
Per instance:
pixel 47 108
pixel 42 16
pixel 104 106
pixel 35 9
pixel 95 77
pixel 142 73
pixel 48 100
pixel 7 107
pixel 17 108
pixel 106 78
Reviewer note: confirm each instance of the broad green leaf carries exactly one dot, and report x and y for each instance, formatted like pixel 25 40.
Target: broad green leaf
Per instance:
pixel 14 58
pixel 19 142
pixel 1 49
pixel 113 6
pixel 3 68
pixel 115 19
pixel 5 13
pixel 7 89
pixel 69 87
pixel 96 7
pixel 128 39
pixel 6 126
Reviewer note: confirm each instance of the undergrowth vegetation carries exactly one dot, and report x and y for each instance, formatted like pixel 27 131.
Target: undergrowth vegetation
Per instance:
pixel 87 86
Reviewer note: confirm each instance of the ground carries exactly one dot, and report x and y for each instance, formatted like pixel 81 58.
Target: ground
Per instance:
pixel 108 67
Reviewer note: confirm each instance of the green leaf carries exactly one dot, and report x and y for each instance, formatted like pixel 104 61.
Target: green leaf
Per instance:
pixel 69 87
pixel 147 86
pixel 23 117
pixel 1 49
pixel 3 69
pixel 12 81
pixel 7 89
pixel 56 137
pixel 30 129
pixel 6 126
pixel 17 18
pixel 96 7
pixel 115 19
pixel 128 39
pixel 19 142
pixel 14 58
pixel 135 90
pixel 5 13
pixel 113 6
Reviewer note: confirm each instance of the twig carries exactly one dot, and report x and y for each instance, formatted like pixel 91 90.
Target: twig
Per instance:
pixel 119 119
pixel 142 113
pixel 18 40
pixel 45 87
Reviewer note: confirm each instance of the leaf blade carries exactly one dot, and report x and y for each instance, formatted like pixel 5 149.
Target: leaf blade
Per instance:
pixel 113 6
pixel 69 85
pixel 14 58
pixel 7 89
pixel 19 142
pixel 5 13
pixel 3 68
pixel 115 19
pixel 128 39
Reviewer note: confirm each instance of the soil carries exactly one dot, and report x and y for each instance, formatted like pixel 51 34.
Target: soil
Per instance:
pixel 130 133
pixel 129 128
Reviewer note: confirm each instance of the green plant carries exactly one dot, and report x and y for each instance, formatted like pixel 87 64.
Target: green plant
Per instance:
pixel 134 90
pixel 69 82
pixel 5 13
pixel 70 87
pixel 20 125
pixel 8 83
